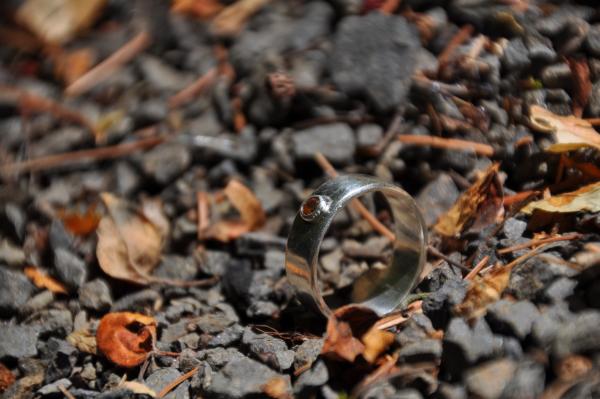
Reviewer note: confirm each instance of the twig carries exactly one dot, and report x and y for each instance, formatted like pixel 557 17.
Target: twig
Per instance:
pixel 593 121
pixel 194 90
pixel 176 382
pixel 459 38
pixel 519 197
pixel 389 134
pixel 528 255
pixel 448 144
pixel 108 67
pixel 69 158
pixel 435 252
pixel 203 213
pixel 355 203
pixel 532 243
pixel 29 102
pixel 471 275
pixel 65 392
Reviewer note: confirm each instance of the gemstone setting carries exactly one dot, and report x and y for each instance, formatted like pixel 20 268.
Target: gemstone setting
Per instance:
pixel 314 206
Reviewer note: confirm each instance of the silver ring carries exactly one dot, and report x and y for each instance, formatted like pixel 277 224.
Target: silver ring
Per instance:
pixel 381 290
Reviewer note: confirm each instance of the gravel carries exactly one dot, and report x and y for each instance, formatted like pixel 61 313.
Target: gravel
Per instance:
pixel 15 290
pixel 18 341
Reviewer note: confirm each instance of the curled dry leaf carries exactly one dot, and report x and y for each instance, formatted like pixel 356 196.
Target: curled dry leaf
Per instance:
pixel 344 327
pixel 129 244
pixel 231 20
pixel 83 340
pixel 7 378
pixel 58 21
pixel 252 215
pixel 586 199
pixel 480 205
pixel 42 280
pixel 376 342
pixel 569 132
pixel 483 291
pixel 126 338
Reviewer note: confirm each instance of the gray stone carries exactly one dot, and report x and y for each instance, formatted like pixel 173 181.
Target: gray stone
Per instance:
pixel 136 301
pixel 54 321
pixel 70 268
pixel 166 162
pixel 489 380
pixel 512 318
pixel 163 377
pixel 214 263
pixel 556 76
pixel 448 391
pixel 560 289
pixel 528 381
pixel 514 228
pixel 53 388
pixel 58 236
pixel 438 304
pixel 592 41
pixel 464 346
pixel 421 351
pixel 242 377
pixel 11 254
pixel 177 268
pixel 335 141
pixel 594 102
pixel 219 357
pixel 38 302
pixel 437 197
pixel 546 326
pixel 161 75
pixel 515 57
pixel 497 113
pixel 529 280
pixel 309 380
pixel 368 135
pixel 15 290
pixel 375 55
pixel 228 336
pixel 270 350
pixel 95 295
pixel 579 335
pixel 540 49
pixel 307 352
pixel 18 341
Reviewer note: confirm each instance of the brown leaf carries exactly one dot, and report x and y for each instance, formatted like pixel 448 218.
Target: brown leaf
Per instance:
pixel 58 21
pixel 129 245
pixel 42 280
pixel 251 213
pixel 7 378
pixel 570 132
pixel 582 85
pixel 126 338
pixel 572 367
pixel 480 205
pixel 376 342
pixel 232 19
pixel 277 388
pixel 83 340
pixel 483 291
pixel 202 9
pixel 586 199
pixel 344 327
pixel 80 224
pixel 71 65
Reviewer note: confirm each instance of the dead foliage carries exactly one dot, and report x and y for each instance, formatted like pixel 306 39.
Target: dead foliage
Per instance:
pixel 126 338
pixel 42 280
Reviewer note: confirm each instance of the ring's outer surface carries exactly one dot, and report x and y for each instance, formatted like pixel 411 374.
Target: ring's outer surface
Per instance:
pixel 381 290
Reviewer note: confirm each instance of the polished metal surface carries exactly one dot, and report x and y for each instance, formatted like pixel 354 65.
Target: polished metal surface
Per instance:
pixel 381 289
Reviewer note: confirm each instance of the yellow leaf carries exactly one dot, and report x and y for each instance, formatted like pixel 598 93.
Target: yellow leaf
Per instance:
pixel 586 199
pixel 570 132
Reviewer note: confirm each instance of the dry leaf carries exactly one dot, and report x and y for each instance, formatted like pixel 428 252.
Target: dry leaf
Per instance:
pixel 570 132
pixel 480 205
pixel 582 86
pixel 71 65
pixel 343 327
pixel 7 378
pixel 203 9
pixel 129 245
pixel 231 20
pixel 376 342
pixel 83 340
pixel 58 21
pixel 572 367
pixel 138 388
pixel 483 291
pixel 78 223
pixel 42 280
pixel 586 199
pixel 251 213
pixel 277 388
pixel 126 338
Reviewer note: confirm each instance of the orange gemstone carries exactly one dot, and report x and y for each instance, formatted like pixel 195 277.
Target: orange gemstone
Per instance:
pixel 310 206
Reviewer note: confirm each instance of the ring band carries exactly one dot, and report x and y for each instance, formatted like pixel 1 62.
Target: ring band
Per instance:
pixel 380 289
